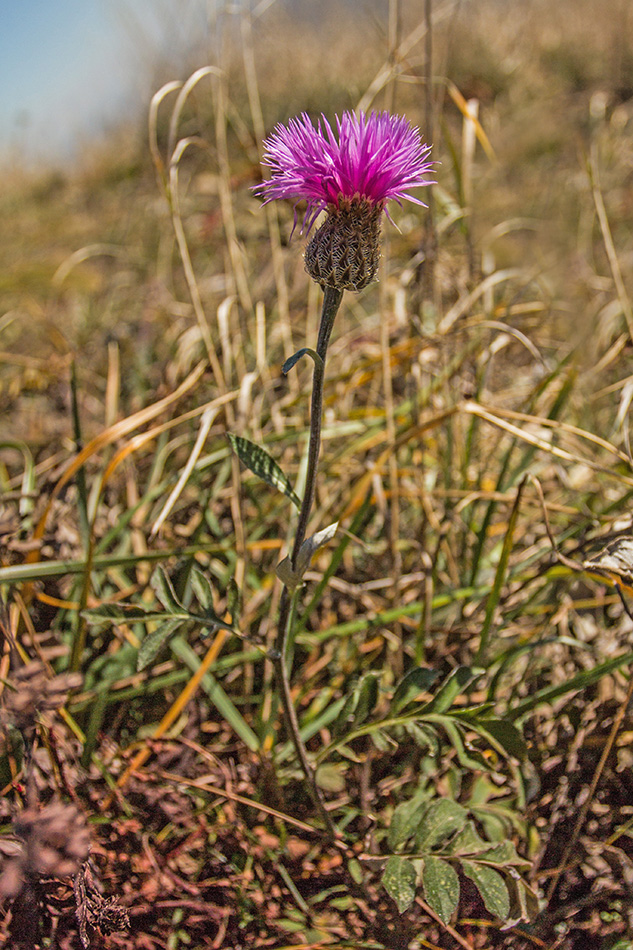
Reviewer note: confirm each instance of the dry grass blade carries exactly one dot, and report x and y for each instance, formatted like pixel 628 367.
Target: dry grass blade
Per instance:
pixel 86 254
pixel 118 431
pixel 607 237
pixel 155 103
pixel 497 420
pixel 206 422
pixel 467 110
pixel 393 66
pixel 234 797
pixel 463 306
pixel 179 105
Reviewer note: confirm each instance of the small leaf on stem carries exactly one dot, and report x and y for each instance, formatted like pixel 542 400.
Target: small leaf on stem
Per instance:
pixel 399 880
pixel 263 465
pixel 294 359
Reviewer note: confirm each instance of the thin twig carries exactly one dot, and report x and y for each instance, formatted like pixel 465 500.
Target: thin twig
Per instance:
pixel 447 927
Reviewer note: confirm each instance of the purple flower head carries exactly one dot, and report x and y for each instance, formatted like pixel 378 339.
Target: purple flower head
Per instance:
pixel 375 158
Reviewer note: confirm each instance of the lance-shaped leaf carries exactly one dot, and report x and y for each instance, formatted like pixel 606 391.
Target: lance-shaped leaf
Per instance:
pixel 491 886
pixel 441 887
pixel 442 818
pixel 399 879
pixel 406 818
pixel 202 588
pixel 359 704
pixel 261 464
pixel 454 684
pixel 154 642
pixel 204 592
pixel 233 599
pixel 416 681
pixel 164 590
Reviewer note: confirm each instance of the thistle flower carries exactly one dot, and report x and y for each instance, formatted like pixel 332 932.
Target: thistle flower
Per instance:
pixel 375 158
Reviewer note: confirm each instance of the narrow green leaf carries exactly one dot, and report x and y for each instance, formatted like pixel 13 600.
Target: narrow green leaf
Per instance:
pixel 441 887
pixel 468 841
pixel 367 692
pixel 216 694
pixel 425 737
pixel 257 459
pixel 500 576
pixel 491 886
pixel 358 705
pixel 204 592
pixel 355 869
pixel 406 818
pixel 503 734
pixel 442 818
pixel 164 590
pixel 454 684
pixel 202 588
pixel 319 717
pixel 416 681
pixel 233 600
pixel 472 762
pixel 399 880
pixel 115 613
pixel 343 723
pixel 29 572
pixel 383 741
pixel 580 681
pixel 504 855
pixel 154 642
pixel 294 359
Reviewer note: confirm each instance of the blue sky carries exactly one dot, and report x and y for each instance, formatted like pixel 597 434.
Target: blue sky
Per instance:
pixel 68 67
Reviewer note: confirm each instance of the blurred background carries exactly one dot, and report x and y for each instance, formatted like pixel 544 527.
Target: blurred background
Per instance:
pixel 72 69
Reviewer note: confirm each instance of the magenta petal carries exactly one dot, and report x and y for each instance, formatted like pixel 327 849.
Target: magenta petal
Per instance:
pixel 377 158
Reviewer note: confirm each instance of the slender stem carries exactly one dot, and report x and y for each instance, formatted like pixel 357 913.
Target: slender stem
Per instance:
pixel 331 302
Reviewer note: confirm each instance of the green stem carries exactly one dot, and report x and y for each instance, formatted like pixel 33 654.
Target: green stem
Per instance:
pixel 331 302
